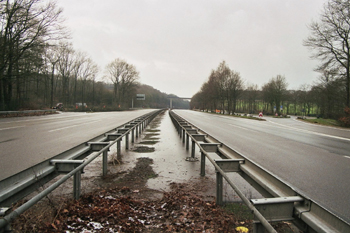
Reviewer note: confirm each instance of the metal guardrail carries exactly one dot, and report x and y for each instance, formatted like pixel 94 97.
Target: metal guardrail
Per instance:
pixel 282 202
pixel 69 163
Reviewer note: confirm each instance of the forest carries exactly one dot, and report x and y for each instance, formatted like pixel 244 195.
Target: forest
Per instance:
pixel 39 67
pixel 225 91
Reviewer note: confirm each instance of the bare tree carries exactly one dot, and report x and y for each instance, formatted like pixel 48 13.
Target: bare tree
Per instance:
pixel 25 25
pixel 330 40
pixel 51 58
pixel 123 77
pixel 114 71
pixel 229 86
pixel 251 95
pixel 274 91
pixel 330 95
pixel 128 81
pixel 235 89
pixel 79 59
pixel 65 69
pixel 88 72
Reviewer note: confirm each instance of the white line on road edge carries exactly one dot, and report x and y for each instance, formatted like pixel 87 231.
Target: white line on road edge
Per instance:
pixel 308 131
pixel 12 128
pixel 348 157
pixel 72 126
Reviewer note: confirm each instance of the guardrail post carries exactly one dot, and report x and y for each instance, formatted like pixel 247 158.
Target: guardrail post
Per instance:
pixel 127 141
pixel 193 148
pixel 258 227
pixel 187 141
pixel 132 136
pixel 137 131
pixel 77 185
pixel 202 163
pixel 118 150
pixel 183 135
pixel 104 163
pixel 219 188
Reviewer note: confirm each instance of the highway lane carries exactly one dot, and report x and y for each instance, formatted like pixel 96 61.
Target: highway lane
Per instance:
pixel 315 160
pixel 26 141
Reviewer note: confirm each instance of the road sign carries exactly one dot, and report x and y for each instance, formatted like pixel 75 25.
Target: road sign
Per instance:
pixel 140 96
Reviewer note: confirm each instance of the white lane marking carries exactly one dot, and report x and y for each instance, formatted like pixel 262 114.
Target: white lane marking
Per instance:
pixel 348 157
pixel 242 127
pixel 72 126
pixel 12 127
pixel 308 131
pixel 48 117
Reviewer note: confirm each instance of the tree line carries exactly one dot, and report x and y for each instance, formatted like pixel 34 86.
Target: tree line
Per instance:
pixel 39 66
pixel 225 91
pixel 328 97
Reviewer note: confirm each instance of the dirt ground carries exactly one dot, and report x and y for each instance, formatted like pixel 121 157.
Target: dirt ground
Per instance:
pixel 142 192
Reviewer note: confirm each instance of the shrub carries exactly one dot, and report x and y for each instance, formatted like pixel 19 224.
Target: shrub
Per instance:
pixel 345 120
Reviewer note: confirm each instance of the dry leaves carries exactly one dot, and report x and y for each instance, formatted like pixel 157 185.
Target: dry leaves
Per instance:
pixel 180 210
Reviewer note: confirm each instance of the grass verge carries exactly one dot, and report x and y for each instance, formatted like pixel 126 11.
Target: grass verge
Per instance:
pixel 321 121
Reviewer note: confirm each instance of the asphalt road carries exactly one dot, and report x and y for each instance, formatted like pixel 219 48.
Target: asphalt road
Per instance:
pixel 26 141
pixel 313 159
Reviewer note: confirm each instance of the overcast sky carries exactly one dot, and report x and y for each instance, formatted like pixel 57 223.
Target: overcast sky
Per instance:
pixel 175 44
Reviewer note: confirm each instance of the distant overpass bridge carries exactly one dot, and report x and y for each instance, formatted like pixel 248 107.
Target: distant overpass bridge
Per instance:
pixel 175 98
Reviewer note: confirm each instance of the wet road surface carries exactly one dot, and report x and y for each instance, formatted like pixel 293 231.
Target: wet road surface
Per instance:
pixel 26 141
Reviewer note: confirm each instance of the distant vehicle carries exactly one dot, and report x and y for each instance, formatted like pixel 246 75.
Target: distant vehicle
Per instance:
pixel 59 106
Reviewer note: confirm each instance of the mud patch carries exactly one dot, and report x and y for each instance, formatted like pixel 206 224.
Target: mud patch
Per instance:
pixel 148 142
pixel 141 172
pixel 143 149
pixel 152 130
pixel 151 135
